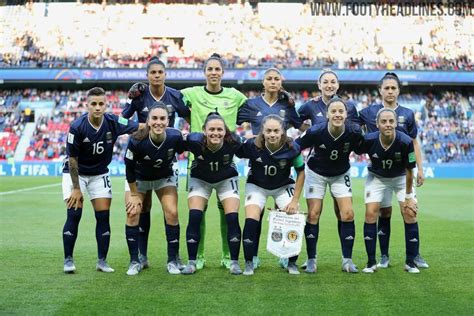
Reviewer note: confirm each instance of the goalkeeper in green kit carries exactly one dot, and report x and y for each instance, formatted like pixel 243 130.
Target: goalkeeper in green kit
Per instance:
pixel 202 100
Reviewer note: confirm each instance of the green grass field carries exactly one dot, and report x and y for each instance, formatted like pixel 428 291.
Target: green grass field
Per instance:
pixel 33 283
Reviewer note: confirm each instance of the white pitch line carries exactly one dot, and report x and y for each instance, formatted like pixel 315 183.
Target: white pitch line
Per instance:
pixel 30 189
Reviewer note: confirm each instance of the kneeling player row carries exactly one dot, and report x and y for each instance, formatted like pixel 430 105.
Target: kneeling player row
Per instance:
pixel 149 160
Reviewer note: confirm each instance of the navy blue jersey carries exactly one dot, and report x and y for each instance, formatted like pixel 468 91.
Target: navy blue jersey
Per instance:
pixel 316 111
pixel 94 147
pixel 390 162
pixel 172 98
pixel 406 119
pixel 330 156
pixel 271 170
pixel 255 109
pixel 211 166
pixel 148 161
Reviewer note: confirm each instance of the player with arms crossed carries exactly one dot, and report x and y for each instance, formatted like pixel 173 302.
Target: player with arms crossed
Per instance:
pixel 89 147
pixel 141 98
pixel 149 167
pixel 274 101
pixel 328 164
pixel 392 159
pixel 389 89
pixel 213 168
pixel 271 155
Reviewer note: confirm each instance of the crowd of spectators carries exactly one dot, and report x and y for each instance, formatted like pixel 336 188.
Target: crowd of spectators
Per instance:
pixel 445 122
pixel 53 35
pixel 447 132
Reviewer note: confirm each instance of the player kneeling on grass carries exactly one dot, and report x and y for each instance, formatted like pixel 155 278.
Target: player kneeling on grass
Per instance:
pixel 392 159
pixel 328 164
pixel 213 168
pixel 149 166
pixel 89 147
pixel 271 157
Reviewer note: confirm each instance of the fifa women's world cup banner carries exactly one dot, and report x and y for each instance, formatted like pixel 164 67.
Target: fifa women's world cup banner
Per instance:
pixel 285 234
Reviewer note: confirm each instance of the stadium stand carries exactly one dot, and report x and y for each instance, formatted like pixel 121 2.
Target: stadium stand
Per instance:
pixel 62 35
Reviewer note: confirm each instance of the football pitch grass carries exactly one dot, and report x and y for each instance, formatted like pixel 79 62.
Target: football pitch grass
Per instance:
pixel 32 281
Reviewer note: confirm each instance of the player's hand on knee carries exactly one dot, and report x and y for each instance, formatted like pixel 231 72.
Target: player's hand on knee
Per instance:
pixel 75 200
pixel 411 208
pixel 134 206
pixel 136 90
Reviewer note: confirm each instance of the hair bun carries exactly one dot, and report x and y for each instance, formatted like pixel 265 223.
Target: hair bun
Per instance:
pixel 216 55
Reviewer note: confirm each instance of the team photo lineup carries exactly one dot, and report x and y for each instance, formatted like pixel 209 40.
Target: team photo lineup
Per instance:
pixel 175 157
pixel 331 129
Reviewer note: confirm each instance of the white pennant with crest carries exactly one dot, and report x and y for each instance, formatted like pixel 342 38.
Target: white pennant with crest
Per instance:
pixel 285 234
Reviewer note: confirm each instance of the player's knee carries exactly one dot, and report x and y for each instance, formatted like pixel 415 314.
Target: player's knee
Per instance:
pixel 313 217
pixel 408 216
pixel 171 216
pixel 370 217
pixel 133 220
pixel 386 211
pixel 347 216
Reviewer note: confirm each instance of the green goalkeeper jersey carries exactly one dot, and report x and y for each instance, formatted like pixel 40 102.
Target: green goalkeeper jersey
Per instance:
pixel 201 102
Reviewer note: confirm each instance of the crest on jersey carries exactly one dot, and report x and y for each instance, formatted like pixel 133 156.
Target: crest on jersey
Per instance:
pixel 398 156
pixel 282 113
pixel 170 153
pixel 282 163
pixel 145 109
pixel 108 137
pixel 401 120
pixel 346 147
pixel 226 104
pixel 225 158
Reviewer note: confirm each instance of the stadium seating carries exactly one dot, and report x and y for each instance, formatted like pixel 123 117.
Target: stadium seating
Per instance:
pixel 63 35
